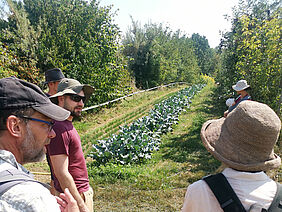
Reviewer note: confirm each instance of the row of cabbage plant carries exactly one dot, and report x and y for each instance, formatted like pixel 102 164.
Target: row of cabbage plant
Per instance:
pixel 136 142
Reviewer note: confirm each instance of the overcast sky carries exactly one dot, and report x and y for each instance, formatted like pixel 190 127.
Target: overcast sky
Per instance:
pixel 205 17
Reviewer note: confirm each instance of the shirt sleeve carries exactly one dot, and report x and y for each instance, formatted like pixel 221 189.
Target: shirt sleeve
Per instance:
pixel 59 144
pixel 29 196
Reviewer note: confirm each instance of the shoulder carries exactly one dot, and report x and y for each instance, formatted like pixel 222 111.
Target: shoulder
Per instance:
pixel 28 196
pixel 200 198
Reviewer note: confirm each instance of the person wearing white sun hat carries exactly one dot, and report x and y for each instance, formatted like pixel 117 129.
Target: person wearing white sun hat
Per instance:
pixel 242 88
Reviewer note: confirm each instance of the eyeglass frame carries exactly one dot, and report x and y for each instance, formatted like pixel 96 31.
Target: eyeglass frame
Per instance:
pixel 50 123
pixel 72 96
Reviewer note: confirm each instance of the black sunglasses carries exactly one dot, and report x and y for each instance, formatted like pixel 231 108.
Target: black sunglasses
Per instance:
pixel 76 98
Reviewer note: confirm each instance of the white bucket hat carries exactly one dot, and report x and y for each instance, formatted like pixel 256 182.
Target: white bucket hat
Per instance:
pixel 240 85
pixel 245 139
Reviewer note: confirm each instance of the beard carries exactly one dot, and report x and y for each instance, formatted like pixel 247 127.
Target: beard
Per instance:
pixel 30 149
pixel 75 113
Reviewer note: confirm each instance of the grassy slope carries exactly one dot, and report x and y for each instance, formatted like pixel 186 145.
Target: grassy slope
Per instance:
pixel 160 184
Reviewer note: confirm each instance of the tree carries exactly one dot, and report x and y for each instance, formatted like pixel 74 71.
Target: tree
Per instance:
pixel 21 39
pixel 157 55
pixel 205 55
pixel 252 51
pixel 75 35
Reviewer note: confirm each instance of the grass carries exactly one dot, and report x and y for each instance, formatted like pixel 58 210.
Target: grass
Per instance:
pixel 160 184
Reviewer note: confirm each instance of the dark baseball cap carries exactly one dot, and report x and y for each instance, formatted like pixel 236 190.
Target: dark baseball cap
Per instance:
pixel 16 94
pixel 53 75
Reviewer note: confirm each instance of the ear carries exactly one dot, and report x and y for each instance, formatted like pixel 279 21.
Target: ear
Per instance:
pixel 61 100
pixel 14 126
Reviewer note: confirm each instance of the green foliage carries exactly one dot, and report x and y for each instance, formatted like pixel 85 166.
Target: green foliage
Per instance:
pixel 7 61
pixel 135 143
pixel 158 56
pixel 19 35
pixel 252 51
pixel 76 36
pixel 206 57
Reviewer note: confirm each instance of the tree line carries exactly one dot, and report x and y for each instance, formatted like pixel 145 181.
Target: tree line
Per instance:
pixel 252 51
pixel 81 38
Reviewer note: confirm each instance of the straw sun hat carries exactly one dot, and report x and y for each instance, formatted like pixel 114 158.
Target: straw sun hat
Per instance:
pixel 245 139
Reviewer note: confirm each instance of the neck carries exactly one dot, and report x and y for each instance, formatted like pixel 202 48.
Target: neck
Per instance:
pixel 70 118
pixel 243 94
pixel 11 145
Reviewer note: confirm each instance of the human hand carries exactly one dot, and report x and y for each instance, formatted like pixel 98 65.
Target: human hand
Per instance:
pixel 67 202
pixel 225 113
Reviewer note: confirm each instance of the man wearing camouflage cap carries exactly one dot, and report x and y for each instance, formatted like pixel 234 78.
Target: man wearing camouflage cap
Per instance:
pixel 67 159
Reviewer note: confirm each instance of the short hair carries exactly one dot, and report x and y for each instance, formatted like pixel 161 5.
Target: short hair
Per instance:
pixel 17 112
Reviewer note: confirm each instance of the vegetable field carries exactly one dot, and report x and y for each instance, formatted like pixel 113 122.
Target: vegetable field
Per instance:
pixel 159 182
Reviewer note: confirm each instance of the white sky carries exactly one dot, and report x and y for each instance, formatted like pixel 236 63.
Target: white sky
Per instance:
pixel 205 17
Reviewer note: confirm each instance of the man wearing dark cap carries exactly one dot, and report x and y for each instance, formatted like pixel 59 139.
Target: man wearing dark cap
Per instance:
pixel 52 79
pixel 68 164
pixel 243 141
pixel 26 121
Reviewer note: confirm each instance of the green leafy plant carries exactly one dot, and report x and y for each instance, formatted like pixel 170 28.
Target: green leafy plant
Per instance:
pixel 135 143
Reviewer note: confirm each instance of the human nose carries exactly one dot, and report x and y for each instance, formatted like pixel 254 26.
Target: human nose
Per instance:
pixel 81 103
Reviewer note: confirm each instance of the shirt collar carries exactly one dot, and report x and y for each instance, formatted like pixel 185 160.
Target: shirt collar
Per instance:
pixel 8 157
pixel 231 173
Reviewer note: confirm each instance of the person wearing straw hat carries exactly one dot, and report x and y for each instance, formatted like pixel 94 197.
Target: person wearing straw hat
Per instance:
pixel 244 142
pixel 52 79
pixel 68 164
pixel 26 126
pixel 242 88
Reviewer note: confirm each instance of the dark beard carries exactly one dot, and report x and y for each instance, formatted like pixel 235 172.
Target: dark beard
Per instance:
pixel 75 114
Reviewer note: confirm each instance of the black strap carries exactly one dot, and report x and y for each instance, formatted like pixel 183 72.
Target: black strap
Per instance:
pixel 276 205
pixel 12 177
pixel 228 200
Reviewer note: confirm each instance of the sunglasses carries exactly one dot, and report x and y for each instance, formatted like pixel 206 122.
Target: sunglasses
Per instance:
pixel 76 98
pixel 49 123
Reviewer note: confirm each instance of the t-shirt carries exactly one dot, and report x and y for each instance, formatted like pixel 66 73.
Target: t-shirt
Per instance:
pixel 237 101
pixel 255 190
pixel 67 142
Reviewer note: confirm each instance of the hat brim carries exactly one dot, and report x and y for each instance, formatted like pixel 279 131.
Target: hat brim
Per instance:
pixel 87 89
pixel 53 111
pixel 211 134
pixel 239 89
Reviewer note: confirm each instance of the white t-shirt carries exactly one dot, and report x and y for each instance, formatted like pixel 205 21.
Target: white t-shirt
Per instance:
pixel 251 188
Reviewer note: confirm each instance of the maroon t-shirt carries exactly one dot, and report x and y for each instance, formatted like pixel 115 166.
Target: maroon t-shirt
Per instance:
pixel 67 142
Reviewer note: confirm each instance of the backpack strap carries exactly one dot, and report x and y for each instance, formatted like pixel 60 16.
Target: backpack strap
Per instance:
pixel 12 177
pixel 228 200
pixel 276 205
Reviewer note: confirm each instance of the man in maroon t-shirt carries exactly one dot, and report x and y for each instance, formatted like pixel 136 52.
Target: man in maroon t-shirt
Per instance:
pixel 66 156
